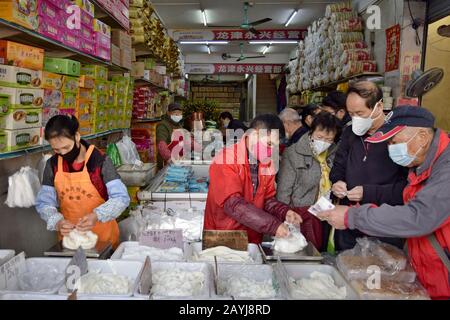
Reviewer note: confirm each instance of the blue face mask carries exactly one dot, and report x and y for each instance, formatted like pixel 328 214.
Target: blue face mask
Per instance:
pixel 399 153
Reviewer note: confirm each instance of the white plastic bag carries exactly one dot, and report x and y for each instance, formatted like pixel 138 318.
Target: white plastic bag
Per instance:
pixel 23 188
pixel 41 165
pixel 128 152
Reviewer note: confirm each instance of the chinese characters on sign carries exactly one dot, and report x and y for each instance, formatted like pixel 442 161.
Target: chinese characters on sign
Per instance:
pixel 411 61
pixel 162 239
pixel 248 68
pixel 239 35
pixel 392 48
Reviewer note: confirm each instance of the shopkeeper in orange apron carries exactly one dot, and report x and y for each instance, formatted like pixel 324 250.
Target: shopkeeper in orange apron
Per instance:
pixel 81 188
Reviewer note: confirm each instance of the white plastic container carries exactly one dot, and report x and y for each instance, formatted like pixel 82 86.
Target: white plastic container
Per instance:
pixel 253 250
pixel 257 273
pixel 120 250
pixel 32 264
pixel 137 176
pixel 6 255
pixel 300 271
pixel 129 269
pixel 206 269
pixel 29 296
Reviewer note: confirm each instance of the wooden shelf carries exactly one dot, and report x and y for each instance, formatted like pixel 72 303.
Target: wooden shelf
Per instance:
pixel 332 85
pixel 53 48
pixel 46 148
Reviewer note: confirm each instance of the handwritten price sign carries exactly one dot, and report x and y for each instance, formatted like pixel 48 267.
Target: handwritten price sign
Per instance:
pixel 162 239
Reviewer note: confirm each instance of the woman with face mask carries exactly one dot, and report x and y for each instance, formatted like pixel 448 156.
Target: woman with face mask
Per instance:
pixel 81 188
pixel 164 130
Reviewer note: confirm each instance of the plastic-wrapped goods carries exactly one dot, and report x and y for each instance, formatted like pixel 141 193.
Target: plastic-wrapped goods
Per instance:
pixel 357 67
pixel 355 55
pixel 223 254
pixel 355 263
pixel 104 284
pixel 345 6
pixel 340 16
pixel 41 277
pixel 352 25
pixel 344 37
pixel 243 287
pixel 178 283
pixel 128 152
pixel 390 290
pixel 142 252
pixel 23 188
pixel 75 239
pixel 318 286
pixel 173 187
pixel 295 242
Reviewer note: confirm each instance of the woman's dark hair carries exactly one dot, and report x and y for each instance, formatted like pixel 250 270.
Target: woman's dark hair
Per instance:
pixel 268 122
pixel 226 115
pixel 61 126
pixel 326 121
pixel 308 110
pixel 337 100
pixel 367 90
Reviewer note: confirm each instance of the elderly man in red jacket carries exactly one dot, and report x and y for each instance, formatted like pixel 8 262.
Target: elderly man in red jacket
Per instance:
pixel 242 185
pixel 425 218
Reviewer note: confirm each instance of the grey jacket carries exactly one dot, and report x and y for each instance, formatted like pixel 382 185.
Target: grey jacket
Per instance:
pixel 300 173
pixel 419 217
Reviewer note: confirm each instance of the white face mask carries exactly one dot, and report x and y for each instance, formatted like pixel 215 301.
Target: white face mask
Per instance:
pixel 176 119
pixel 360 126
pixel 319 146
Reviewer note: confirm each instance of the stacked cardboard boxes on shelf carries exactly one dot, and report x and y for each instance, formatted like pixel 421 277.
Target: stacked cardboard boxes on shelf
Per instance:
pixel 227 97
pixel 122 40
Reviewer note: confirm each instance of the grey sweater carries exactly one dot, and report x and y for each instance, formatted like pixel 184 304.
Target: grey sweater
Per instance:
pixel 300 174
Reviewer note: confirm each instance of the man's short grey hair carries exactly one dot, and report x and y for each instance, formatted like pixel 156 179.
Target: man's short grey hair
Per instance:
pixel 290 114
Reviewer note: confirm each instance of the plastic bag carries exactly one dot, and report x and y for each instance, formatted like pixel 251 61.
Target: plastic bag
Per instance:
pixel 113 153
pixel 295 242
pixel 23 188
pixel 355 263
pixel 41 165
pixel 128 152
pixel 41 277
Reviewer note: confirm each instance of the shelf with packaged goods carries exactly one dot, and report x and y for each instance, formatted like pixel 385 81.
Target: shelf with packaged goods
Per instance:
pixel 141 82
pixel 13 32
pixel 108 17
pixel 332 85
pixel 46 148
pixel 145 120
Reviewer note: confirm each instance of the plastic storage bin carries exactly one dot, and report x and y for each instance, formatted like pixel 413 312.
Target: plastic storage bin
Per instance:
pixel 120 250
pixel 137 176
pixel 253 250
pixel 6 255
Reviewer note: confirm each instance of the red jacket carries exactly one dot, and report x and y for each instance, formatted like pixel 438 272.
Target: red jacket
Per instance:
pixel 429 268
pixel 234 180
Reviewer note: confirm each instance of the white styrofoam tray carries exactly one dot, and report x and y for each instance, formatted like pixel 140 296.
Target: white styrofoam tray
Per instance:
pixel 253 250
pixel 13 287
pixel 6 255
pixel 129 269
pixel 205 268
pixel 126 244
pixel 300 271
pixel 254 272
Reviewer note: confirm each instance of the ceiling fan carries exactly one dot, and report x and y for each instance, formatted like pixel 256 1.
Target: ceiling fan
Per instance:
pixel 246 25
pixel 242 57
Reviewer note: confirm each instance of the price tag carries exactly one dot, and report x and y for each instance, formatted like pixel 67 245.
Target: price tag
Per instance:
pixel 234 239
pixel 146 278
pixel 9 272
pixel 162 239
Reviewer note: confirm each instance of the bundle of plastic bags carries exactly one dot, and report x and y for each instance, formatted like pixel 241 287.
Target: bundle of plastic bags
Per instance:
pixel 23 188
pixel 128 152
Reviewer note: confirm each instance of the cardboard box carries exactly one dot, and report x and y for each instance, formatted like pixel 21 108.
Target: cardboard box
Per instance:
pixel 121 39
pixel 71 38
pixel 115 55
pixel 52 98
pixel 69 101
pixel 133 55
pixel 84 111
pixel 70 84
pixel 52 81
pixel 95 71
pixel 102 87
pixel 20 77
pixel 138 69
pixel 100 100
pixel 47 114
pixel 15 119
pixel 125 59
pixel 87 6
pixel 24 98
pixel 86 82
pixel 62 66
pixel 26 17
pixel 86 94
pixel 21 139
pixel 21 55
pixel 86 128
pixel 102 27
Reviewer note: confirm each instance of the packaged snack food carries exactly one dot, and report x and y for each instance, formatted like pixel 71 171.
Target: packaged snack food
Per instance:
pixel 11 76
pixel 23 97
pixel 21 55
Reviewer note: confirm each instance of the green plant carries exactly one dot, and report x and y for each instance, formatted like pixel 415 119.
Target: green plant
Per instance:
pixel 207 107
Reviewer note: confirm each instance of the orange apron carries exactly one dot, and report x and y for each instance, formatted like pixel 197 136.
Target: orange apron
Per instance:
pixel 78 197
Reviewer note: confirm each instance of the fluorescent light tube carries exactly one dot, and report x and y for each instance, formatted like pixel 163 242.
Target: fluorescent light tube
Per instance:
pixel 291 17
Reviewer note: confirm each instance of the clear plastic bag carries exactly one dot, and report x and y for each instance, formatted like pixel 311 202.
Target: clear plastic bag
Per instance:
pixel 356 263
pixel 128 152
pixel 390 290
pixel 41 277
pixel 23 188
